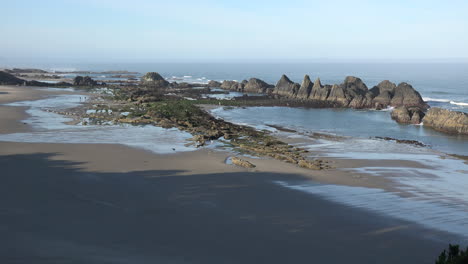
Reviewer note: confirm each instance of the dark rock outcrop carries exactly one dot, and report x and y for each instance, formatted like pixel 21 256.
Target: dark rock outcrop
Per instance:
pixel 305 89
pixel 16 70
pixel 383 86
pixel 84 81
pixel 337 95
pixel 154 79
pixel 405 95
pixel 286 87
pixel 383 99
pixel 405 115
pixel 9 79
pixel 446 121
pixel 356 93
pixel 214 84
pixel 255 85
pixel 319 92
pixel 233 86
pixel 352 93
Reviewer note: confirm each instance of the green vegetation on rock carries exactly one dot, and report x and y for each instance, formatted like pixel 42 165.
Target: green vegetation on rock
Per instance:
pixel 453 256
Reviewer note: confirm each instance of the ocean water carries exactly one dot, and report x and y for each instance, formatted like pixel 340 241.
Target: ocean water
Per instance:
pixel 49 127
pixel 441 84
pixel 361 124
pixel 439 215
pixel 433 195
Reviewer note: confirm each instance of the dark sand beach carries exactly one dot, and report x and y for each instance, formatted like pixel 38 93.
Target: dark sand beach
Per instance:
pixel 97 203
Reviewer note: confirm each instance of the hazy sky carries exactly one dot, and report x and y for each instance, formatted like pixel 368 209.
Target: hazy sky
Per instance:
pixel 203 30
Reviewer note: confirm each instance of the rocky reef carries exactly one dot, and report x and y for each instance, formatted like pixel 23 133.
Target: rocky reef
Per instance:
pixel 352 93
pixel 446 121
pixel 253 85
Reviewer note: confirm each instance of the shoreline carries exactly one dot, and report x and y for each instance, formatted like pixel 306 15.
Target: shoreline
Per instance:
pixel 95 163
pixel 341 172
pixel 264 164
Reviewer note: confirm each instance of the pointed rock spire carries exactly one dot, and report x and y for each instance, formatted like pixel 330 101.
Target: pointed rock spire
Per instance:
pixel 305 89
pixel 286 87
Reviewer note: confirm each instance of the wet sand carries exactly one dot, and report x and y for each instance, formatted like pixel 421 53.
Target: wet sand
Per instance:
pixel 97 203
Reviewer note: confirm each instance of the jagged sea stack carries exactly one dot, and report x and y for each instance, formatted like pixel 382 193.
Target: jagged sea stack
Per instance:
pixel 286 87
pixel 305 89
pixel 337 95
pixel 319 92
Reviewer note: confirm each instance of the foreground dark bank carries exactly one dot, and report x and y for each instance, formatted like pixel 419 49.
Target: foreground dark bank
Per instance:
pixel 54 213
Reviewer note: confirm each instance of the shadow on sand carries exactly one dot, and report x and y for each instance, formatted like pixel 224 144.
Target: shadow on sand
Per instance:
pixel 52 212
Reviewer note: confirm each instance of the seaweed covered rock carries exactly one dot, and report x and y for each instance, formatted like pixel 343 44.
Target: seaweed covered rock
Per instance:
pixel 84 81
pixel 446 121
pixel 154 79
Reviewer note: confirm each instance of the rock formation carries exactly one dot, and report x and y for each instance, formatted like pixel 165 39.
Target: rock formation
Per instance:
pixel 319 92
pixel 214 84
pixel 84 81
pixel 154 79
pixel 337 95
pixel 286 87
pixel 232 85
pixel 255 85
pixel 352 93
pixel 383 94
pixel 446 121
pixel 305 89
pixel 404 94
pixel 9 79
pixel 405 115
pixel 242 163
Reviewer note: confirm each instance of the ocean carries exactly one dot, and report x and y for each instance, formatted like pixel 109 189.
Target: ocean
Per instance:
pixel 440 84
pixel 432 193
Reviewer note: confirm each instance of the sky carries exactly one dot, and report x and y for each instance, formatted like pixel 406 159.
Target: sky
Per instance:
pixel 241 30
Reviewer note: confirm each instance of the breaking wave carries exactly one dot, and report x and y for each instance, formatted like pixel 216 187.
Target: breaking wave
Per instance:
pixel 428 99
